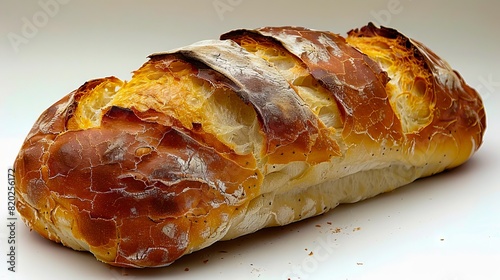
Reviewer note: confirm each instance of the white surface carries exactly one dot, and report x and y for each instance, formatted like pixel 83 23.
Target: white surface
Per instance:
pixel 443 227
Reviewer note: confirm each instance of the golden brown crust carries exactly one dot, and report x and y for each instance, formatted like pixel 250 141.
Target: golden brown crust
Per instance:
pixel 453 112
pixel 356 83
pixel 288 125
pixel 224 137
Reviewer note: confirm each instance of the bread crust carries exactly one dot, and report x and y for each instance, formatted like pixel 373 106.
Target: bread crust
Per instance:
pixel 224 137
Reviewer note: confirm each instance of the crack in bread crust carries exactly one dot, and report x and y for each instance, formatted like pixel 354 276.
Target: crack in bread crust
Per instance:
pixel 224 137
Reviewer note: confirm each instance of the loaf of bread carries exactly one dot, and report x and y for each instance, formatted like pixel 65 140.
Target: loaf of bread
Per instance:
pixel 225 137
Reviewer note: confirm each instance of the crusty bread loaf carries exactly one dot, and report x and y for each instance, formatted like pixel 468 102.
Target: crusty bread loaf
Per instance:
pixel 225 137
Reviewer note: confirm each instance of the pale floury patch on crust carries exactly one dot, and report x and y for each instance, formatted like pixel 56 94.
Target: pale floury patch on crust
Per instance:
pixel 222 138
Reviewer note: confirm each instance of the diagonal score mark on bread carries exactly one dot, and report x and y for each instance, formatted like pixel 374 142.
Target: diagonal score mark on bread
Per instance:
pixel 225 137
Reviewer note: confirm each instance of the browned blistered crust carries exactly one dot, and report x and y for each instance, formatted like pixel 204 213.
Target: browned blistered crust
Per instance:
pixel 224 137
pixel 452 114
pixel 355 82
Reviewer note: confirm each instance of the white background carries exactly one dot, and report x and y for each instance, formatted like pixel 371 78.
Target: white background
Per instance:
pixel 443 227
